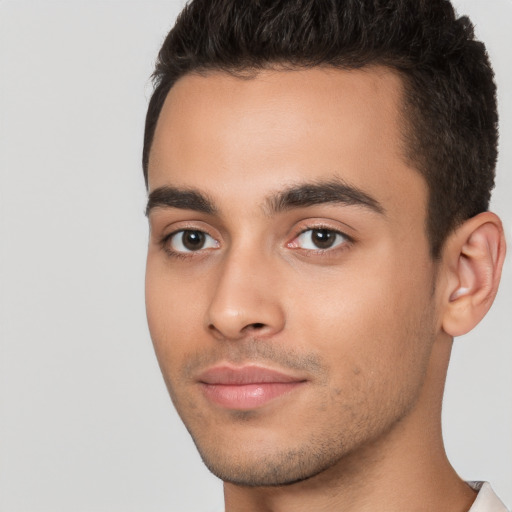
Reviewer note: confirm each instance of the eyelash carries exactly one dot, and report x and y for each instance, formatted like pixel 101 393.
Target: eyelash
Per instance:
pixel 328 251
pixel 164 242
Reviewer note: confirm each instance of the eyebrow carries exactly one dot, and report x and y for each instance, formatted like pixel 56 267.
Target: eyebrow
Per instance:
pixel 303 195
pixel 335 191
pixel 185 199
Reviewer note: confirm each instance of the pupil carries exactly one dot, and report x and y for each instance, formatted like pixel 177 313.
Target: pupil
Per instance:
pixel 193 240
pixel 323 238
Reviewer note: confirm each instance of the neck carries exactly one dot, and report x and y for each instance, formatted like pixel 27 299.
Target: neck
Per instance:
pixel 406 468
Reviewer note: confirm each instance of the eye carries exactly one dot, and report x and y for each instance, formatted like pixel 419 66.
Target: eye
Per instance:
pixel 319 239
pixel 190 240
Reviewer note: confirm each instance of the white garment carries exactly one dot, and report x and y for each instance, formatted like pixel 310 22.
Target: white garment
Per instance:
pixel 486 501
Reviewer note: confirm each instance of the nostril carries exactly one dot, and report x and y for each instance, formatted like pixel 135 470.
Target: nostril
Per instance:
pixel 256 326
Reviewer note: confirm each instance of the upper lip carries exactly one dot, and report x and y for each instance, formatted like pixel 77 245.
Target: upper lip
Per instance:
pixel 250 374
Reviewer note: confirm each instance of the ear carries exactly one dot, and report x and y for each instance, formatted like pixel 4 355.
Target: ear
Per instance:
pixel 472 259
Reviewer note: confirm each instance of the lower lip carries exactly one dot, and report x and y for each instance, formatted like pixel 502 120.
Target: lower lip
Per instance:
pixel 247 396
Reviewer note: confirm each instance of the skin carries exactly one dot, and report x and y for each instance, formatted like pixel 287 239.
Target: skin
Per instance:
pixel 361 323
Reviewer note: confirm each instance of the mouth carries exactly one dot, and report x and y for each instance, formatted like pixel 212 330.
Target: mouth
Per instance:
pixel 247 387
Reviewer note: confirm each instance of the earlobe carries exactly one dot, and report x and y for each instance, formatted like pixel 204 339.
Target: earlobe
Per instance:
pixel 473 257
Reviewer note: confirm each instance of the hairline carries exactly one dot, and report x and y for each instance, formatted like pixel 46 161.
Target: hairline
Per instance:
pixel 408 112
pixel 250 72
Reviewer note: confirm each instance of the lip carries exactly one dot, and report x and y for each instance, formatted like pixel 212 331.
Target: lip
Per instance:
pixel 247 387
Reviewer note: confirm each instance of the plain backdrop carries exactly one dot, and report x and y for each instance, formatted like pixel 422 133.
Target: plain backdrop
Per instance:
pixel 85 420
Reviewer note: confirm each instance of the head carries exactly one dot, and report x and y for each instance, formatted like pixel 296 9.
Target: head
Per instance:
pixel 449 108
pixel 319 175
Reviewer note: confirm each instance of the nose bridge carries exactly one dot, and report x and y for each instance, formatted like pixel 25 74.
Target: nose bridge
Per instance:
pixel 244 300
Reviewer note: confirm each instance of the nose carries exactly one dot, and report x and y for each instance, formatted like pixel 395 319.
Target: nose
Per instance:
pixel 246 300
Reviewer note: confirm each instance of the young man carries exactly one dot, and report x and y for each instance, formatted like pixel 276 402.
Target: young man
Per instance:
pixel 319 175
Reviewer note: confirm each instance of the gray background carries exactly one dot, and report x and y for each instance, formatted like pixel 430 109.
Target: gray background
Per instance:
pixel 85 421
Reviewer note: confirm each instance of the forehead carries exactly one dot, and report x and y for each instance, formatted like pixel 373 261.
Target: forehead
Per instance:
pixel 220 133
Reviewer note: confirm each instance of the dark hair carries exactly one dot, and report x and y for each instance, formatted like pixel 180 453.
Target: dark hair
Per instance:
pixel 450 96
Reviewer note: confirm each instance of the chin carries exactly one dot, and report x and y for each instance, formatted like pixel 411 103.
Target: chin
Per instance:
pixel 258 469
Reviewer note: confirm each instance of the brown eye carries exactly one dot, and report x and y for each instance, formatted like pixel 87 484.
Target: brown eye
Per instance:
pixel 189 240
pixel 323 238
pixel 192 240
pixel 320 238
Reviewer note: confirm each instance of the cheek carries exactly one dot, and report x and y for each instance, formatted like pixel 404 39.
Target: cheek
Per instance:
pixel 374 323
pixel 172 310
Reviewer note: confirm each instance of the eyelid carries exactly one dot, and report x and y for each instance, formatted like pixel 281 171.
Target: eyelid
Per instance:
pixel 168 229
pixel 213 240
pixel 208 240
pixel 165 241
pixel 321 227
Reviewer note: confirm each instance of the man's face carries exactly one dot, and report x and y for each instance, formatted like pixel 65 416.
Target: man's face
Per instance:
pixel 289 285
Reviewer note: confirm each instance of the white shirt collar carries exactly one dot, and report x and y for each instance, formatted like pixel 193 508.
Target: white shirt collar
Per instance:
pixel 486 501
